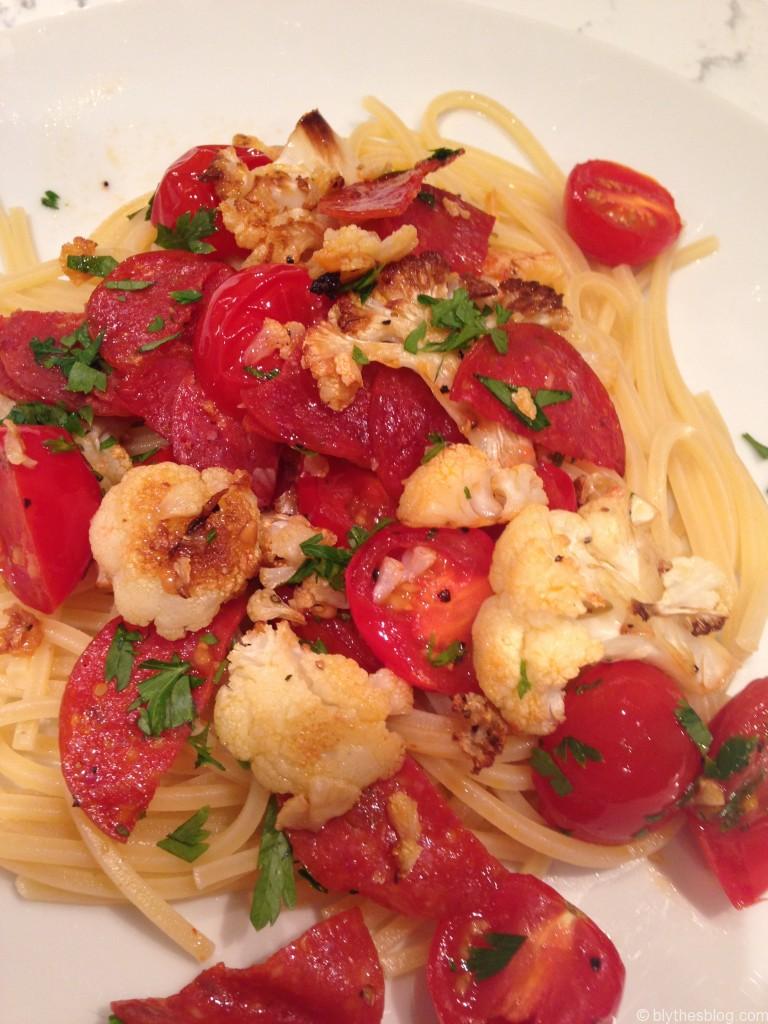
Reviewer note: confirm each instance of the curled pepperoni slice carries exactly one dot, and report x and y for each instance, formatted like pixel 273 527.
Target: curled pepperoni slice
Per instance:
pixel 387 196
pixel 111 767
pixel 329 975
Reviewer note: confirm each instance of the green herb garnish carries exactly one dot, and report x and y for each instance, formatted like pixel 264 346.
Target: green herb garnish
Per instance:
pixel 693 725
pixel 121 656
pixel 485 961
pixel 96 266
pixel 165 698
pixel 186 295
pixel 276 886
pixel 732 757
pixel 50 199
pixel 544 765
pixel 188 840
pixel 76 356
pixel 359 356
pixel 761 449
pixel 128 285
pixel 199 743
pixel 437 442
pixel 543 397
pixel 580 751
pixel 188 232
pixel 448 656
pixel 523 683
pixel 150 346
pixel 57 415
pixel 254 371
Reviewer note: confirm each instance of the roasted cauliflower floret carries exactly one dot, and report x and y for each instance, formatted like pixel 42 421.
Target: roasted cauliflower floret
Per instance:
pixel 175 544
pixel 461 486
pixel 312 725
pixel 352 250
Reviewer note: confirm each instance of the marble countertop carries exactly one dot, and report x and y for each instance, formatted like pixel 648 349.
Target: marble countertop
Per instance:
pixel 722 45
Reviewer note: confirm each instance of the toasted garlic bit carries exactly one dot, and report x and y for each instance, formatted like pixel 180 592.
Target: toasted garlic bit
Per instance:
pixel 111 463
pixel 13 446
pixel 403 814
pixel 176 544
pixel 21 632
pixel 79 246
pixel 312 725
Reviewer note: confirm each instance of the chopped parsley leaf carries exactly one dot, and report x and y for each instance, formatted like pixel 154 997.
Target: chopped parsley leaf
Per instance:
pixel 141 457
pixel 50 199
pixel 693 725
pixel 121 656
pixel 543 397
pixel 96 266
pixel 188 840
pixel 128 285
pixel 362 286
pixel 186 295
pixel 155 325
pixel 318 646
pixel 56 445
pixel 254 371
pixel 76 355
pixel 56 415
pixel 544 765
pixel 426 197
pixel 150 346
pixel 449 656
pixel 735 806
pixel 761 449
pixel 165 698
pixel 437 442
pixel 523 683
pixel 411 343
pixel 443 153
pixel 211 536
pixel 322 560
pixel 467 493
pixel 581 751
pixel 114 1019
pixel 276 886
pixel 359 356
pixel 210 639
pixel 189 231
pixel 732 757
pixel 357 535
pixel 485 961
pixel 199 743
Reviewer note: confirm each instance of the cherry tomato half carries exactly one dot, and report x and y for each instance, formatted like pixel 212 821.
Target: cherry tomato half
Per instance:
pixel 621 761
pixel 524 956
pixel 617 215
pixel 729 813
pixel 236 313
pixel 185 189
pixel 47 509
pixel 422 629
pixel 346 496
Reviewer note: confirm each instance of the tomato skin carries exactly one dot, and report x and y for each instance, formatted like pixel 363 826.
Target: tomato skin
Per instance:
pixel 738 855
pixel 558 486
pixel 584 427
pixel 399 635
pixel 234 316
pixel 625 711
pixel 347 496
pixel 184 189
pixel 618 215
pixel 340 637
pixel 567 971
pixel 46 512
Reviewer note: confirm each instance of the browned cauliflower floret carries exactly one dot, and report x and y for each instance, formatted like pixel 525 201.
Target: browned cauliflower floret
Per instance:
pixel 176 544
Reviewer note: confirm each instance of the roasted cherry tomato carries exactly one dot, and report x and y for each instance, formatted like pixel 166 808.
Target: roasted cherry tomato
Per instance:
pixel 622 761
pixel 185 188
pixel 525 955
pixel 617 215
pixel 558 486
pixel 421 628
pixel 46 511
pixel 329 975
pixel 573 415
pixel 338 636
pixel 346 496
pixel 729 813
pixel 234 317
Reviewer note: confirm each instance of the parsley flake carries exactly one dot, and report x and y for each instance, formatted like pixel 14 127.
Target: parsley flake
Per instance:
pixel 155 325
pixel 113 1019
pixel 188 840
pixel 437 442
pixel 56 445
pixel 581 752
pixel 443 153
pixel 142 457
pixel 359 356
pixel 96 266
pixel 693 725
pixel 150 346
pixel 165 698
pixel 128 285
pixel 318 647
pixel 505 393
pixel 448 656
pixel 186 295
pixel 56 415
pixel 732 757
pixel 411 343
pixel 544 765
pixel 76 355
pixel 427 197
pixel 199 743
pixel 761 449
pixel 485 961
pixel 50 199
pixel 259 374
pixel 523 684
pixel 322 560
pixel 188 232
pixel 276 886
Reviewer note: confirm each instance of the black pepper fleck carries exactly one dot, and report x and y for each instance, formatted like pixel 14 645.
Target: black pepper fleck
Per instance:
pixel 444 595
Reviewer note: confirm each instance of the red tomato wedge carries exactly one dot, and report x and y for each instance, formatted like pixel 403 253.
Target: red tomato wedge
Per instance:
pixel 403 414
pixel 234 317
pixel 46 511
pixel 617 215
pixel 288 408
pixel 625 762
pixel 523 957
pixel 329 975
pixel 110 766
pixel 346 496
pixel 25 380
pixel 454 872
pixel 151 303
pixel 387 196
pixel 446 224
pixel 734 834
pixel 583 425
pixel 203 436
pixel 339 636
pixel 422 630
pixel 558 486
pixel 186 187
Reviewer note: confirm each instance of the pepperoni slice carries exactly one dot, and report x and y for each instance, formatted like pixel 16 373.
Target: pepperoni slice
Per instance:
pixel 287 407
pixel 110 766
pixel 583 426
pixel 447 224
pixel 203 436
pixel 330 975
pixel 387 196
pixel 454 872
pixel 403 415
pixel 150 390
pixel 24 380
pixel 156 311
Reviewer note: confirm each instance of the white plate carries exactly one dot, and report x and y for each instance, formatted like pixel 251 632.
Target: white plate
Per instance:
pixel 116 93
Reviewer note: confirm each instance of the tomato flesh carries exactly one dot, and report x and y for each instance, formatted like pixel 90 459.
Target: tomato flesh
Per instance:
pixel 338 636
pixel 234 316
pixel 558 486
pixel 618 215
pixel 46 512
pixel 734 834
pixel 184 188
pixel 627 760
pixel 565 970
pixel 584 426
pixel 417 626
pixel 346 496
